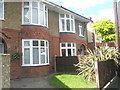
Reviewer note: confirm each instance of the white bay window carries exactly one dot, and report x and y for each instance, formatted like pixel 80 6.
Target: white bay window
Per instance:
pixel 35 52
pixel 1 9
pixel 67 23
pixel 35 13
pixel 68 49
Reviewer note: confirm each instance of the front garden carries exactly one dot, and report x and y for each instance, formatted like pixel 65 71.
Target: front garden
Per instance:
pixel 65 80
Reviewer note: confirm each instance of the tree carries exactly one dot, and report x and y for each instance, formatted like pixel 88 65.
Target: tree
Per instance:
pixel 104 29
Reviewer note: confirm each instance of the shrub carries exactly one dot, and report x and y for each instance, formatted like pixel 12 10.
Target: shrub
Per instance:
pixel 86 64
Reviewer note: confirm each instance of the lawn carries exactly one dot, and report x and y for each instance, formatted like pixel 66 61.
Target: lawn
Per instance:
pixel 70 81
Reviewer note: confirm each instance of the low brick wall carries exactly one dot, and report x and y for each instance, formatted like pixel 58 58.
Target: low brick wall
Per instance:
pixel 105 71
pixel 66 64
pixel 4 71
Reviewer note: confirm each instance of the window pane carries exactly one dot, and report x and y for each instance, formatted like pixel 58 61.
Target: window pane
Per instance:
pixel 42 59
pixel 35 43
pixel 73 44
pixel 72 26
pixel 26 43
pixel 46 44
pixel 1 47
pixel 41 6
pixel 46 55
pixel 35 56
pixel 34 4
pixel 35 15
pixel 69 44
pixel 62 15
pixel 26 56
pixel 1 10
pixel 67 16
pixel 63 24
pixel 63 45
pixel 42 43
pixel 63 52
pixel 69 52
pixel 73 52
pixel 82 31
pixel 26 3
pixel 42 50
pixel 46 19
pixel 26 15
pixel 68 25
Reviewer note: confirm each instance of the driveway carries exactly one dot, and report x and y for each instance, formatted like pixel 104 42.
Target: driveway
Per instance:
pixel 41 82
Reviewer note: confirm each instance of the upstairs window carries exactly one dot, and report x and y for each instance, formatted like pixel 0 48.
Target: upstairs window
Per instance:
pixel 81 31
pixel 67 23
pixel 35 13
pixel 1 9
pixel 68 49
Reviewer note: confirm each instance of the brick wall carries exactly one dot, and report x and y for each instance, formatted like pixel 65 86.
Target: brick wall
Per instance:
pixel 14 44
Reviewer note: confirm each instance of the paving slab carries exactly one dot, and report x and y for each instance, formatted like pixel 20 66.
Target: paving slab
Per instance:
pixel 41 82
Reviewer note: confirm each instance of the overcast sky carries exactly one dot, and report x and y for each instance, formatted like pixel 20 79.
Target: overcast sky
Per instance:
pixel 97 9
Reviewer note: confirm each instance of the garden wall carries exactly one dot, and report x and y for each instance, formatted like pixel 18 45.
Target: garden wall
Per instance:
pixel 66 64
pixel 4 71
pixel 105 71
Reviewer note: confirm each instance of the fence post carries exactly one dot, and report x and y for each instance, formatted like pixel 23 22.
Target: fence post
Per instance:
pixel 97 74
pixel 55 64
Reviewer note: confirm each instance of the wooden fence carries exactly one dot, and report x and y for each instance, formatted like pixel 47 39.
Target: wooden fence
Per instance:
pixel 66 64
pixel 105 70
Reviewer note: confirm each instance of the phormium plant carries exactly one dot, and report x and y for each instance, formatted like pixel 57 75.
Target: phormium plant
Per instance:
pixel 86 64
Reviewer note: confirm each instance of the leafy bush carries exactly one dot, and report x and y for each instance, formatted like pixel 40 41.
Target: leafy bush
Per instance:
pixel 17 55
pixel 86 64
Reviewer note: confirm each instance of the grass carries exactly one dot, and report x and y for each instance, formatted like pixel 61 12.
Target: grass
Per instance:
pixel 70 81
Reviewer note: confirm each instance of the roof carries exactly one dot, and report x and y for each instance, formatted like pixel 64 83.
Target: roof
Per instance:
pixel 59 8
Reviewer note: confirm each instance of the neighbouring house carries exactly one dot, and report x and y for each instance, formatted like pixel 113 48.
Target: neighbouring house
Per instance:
pixel 40 30
pixel 94 41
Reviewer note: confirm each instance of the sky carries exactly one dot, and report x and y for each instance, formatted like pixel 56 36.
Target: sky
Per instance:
pixel 97 9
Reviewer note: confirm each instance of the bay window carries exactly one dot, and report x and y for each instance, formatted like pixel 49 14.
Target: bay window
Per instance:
pixel 1 9
pixel 67 23
pixel 35 13
pixel 68 49
pixel 35 52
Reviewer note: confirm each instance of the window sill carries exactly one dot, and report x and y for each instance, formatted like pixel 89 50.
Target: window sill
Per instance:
pixel 66 32
pixel 34 25
pixel 2 19
pixel 34 65
pixel 81 36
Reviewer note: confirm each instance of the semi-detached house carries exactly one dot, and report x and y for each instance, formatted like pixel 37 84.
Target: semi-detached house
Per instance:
pixel 40 30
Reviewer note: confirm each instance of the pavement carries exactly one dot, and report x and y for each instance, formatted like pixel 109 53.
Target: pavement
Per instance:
pixel 41 82
pixel 115 84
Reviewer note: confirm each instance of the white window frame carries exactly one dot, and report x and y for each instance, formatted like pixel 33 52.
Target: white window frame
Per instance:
pixel 30 9
pixel 81 30
pixel 71 18
pixel 2 1
pixel 66 48
pixel 31 52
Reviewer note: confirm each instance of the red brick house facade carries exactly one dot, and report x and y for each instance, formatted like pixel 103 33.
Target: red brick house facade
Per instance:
pixel 40 30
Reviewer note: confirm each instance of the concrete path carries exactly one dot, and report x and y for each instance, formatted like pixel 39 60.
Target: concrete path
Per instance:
pixel 41 82
pixel 115 83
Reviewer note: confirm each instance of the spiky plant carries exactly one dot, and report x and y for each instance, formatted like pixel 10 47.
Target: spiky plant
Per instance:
pixel 86 64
